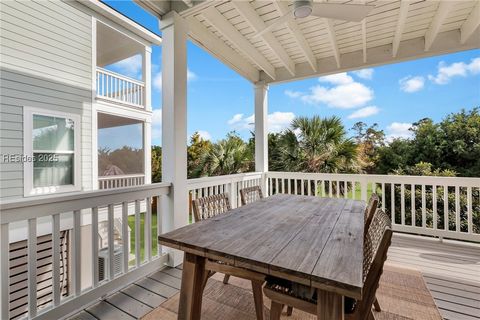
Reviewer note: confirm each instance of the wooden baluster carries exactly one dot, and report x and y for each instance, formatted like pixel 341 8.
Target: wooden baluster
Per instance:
pixel 159 223
pixel 424 206
pixel 5 271
pixel 125 239
pixel 457 208
pixel 111 242
pixel 32 267
pixel 434 207
pixel 469 209
pixel 95 272
pixel 77 254
pixel 148 230
pixel 412 203
pixel 445 208
pixel 402 203
pixel 137 233
pixel 392 200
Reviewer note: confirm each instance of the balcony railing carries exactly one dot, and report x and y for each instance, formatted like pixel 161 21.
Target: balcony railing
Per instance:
pixel 73 212
pixel 440 206
pixel 129 180
pixel 114 87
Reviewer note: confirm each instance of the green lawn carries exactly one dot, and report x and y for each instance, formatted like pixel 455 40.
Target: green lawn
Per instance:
pixel 131 224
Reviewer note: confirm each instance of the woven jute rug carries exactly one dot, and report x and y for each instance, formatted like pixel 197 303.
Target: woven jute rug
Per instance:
pixel 402 295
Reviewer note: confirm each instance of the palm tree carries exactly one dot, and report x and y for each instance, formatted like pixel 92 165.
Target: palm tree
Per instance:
pixel 318 145
pixel 227 156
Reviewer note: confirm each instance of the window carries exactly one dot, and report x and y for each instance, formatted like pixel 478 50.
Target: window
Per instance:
pixel 51 143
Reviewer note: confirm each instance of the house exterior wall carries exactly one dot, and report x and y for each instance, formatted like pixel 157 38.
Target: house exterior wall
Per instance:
pixel 46 62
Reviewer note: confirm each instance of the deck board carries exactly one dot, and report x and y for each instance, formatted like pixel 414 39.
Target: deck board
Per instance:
pixel 449 270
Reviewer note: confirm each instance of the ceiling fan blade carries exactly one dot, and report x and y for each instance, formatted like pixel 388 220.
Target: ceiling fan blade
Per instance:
pixel 347 12
pixel 275 24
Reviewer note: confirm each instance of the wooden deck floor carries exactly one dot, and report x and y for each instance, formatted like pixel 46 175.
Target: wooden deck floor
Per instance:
pixel 451 271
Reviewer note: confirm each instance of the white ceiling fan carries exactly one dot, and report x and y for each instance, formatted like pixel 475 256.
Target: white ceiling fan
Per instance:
pixel 304 8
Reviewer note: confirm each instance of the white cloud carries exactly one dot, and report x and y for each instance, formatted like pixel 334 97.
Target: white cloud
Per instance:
pixel 457 69
pixel 364 112
pixel 205 135
pixel 277 121
pixel 156 123
pixel 364 73
pixel 157 79
pixel 131 66
pixel 191 75
pixel 412 84
pixel 343 92
pixel 339 78
pixel 293 94
pixel 399 130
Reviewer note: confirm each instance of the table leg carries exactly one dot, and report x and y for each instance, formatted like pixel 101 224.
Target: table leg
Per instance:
pixel 330 305
pixel 191 291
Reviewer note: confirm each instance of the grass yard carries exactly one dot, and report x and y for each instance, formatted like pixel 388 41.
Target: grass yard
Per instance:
pixel 133 236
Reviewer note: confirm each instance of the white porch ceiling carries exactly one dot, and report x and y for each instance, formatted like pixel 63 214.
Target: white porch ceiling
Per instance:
pixel 393 31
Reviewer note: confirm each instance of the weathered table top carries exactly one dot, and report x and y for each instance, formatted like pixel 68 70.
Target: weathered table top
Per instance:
pixel 310 240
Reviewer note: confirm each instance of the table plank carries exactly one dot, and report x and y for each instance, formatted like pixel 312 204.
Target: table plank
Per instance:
pixel 309 238
pixel 301 255
pixel 338 265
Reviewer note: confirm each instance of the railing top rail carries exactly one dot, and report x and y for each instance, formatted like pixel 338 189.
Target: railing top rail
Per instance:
pixel 432 180
pixel 123 176
pixel 23 209
pixel 223 179
pixel 120 76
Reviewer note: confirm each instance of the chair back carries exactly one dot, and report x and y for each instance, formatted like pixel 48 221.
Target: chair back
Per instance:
pixel 377 241
pixel 250 194
pixel 370 210
pixel 210 206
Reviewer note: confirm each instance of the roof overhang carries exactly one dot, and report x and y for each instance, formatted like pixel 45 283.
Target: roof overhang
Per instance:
pixel 394 31
pixel 117 17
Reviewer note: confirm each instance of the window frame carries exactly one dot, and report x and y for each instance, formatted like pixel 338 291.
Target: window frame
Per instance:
pixel 29 189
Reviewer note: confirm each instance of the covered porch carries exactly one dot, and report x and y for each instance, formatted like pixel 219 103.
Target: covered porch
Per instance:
pixel 443 234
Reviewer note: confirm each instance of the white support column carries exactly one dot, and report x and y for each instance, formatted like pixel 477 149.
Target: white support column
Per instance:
pixel 147 77
pixel 261 130
pixel 147 146
pixel 174 125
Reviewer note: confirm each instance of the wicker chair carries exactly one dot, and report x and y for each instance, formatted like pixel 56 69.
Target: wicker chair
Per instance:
pixel 211 206
pixel 377 241
pixel 370 210
pixel 250 194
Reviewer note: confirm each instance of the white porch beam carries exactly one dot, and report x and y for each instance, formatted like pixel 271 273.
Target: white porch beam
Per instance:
pixel 333 40
pixel 282 7
pixel 447 42
pixel 432 32
pixel 147 77
pixel 174 124
pixel 147 149
pixel 471 24
pixel 261 127
pixel 204 38
pixel 402 17
pixel 233 35
pixel 251 16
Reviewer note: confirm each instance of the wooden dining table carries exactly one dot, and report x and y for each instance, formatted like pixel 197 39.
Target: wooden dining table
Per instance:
pixel 310 240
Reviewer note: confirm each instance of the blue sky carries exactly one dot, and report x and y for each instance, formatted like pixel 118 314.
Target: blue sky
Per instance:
pixel 394 96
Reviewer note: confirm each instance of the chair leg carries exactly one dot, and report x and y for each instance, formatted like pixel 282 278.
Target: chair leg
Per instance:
pixel 371 315
pixel 225 279
pixel 276 310
pixel 289 310
pixel 258 298
pixel 376 305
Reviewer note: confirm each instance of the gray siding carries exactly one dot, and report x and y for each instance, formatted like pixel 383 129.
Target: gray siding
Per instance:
pixel 46 55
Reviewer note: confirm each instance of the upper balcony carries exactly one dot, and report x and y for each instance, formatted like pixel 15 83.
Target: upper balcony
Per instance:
pixel 122 73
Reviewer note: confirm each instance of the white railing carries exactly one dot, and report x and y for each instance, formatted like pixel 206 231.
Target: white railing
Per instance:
pixel 115 87
pixel 441 206
pixel 129 180
pixel 231 184
pixel 79 213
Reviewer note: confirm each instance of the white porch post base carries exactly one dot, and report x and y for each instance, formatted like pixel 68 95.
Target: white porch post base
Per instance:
pixel 261 131
pixel 174 125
